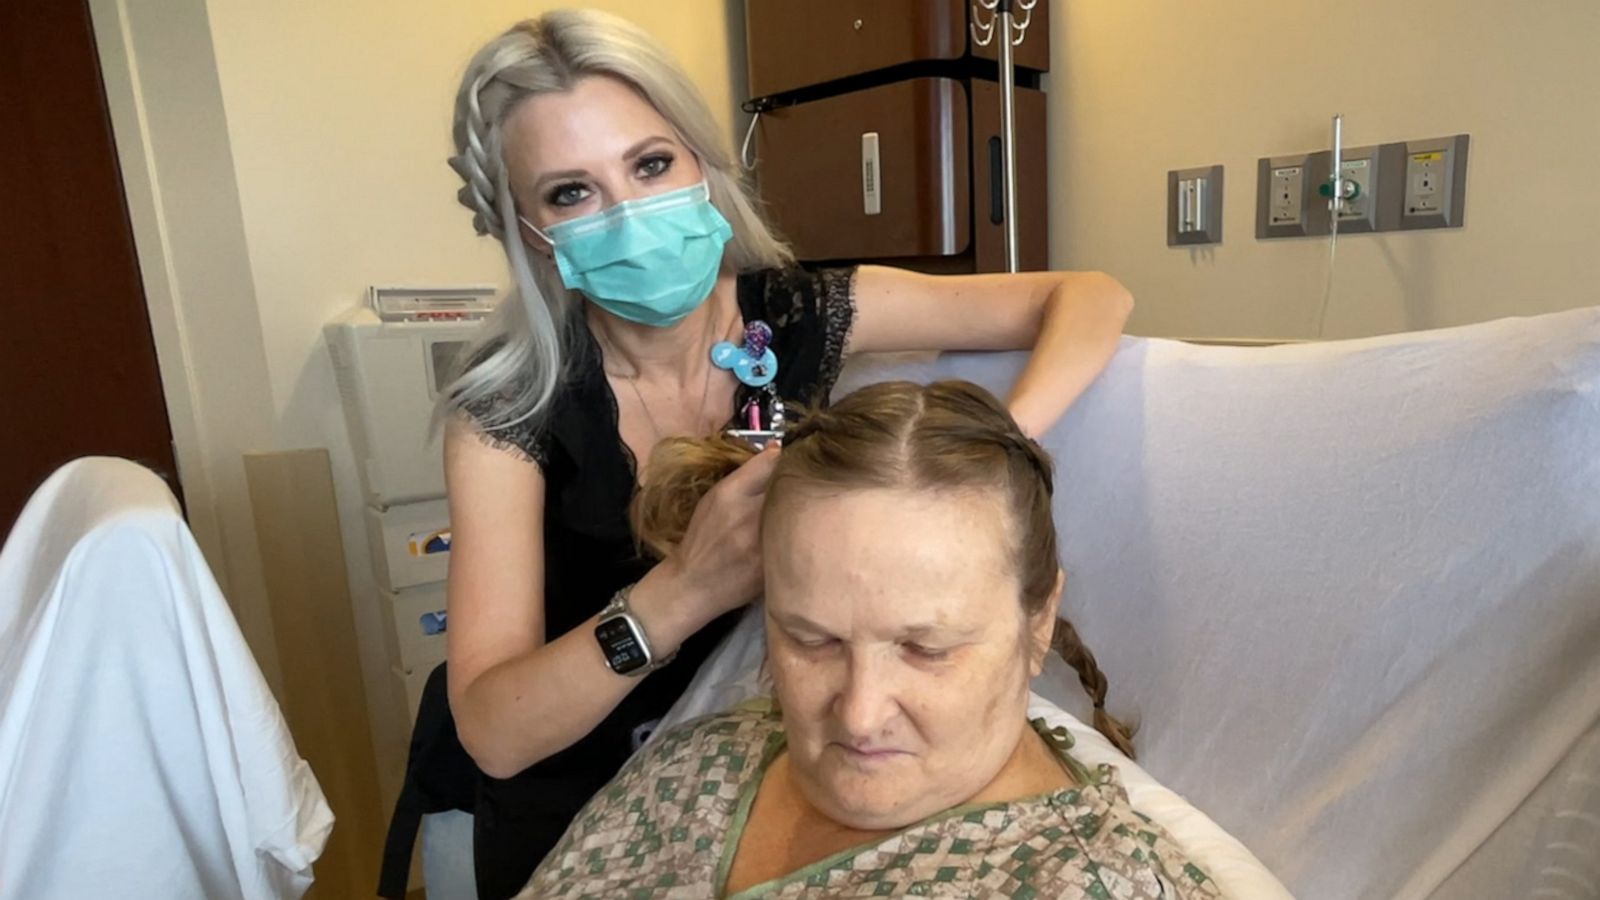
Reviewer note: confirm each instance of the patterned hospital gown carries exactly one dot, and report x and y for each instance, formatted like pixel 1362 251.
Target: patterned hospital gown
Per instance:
pixel 667 827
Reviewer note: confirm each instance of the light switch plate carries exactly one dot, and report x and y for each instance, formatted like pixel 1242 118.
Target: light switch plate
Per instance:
pixel 1194 206
pixel 1286 195
pixel 1434 192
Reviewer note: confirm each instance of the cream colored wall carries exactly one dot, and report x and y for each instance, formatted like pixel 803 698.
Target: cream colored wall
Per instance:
pixel 1143 86
pixel 339 116
pixel 301 147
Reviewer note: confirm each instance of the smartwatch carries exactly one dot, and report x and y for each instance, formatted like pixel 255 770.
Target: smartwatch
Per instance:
pixel 623 641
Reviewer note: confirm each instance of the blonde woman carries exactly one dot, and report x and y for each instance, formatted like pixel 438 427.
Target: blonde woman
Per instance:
pixel 651 301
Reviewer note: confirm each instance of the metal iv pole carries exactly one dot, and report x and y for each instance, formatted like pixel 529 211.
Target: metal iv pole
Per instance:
pixel 1011 32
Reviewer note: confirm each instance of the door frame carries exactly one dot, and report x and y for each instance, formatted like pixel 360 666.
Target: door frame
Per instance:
pixel 164 96
pixel 152 245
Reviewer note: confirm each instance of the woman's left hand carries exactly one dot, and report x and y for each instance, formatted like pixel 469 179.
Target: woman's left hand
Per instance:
pixel 1072 321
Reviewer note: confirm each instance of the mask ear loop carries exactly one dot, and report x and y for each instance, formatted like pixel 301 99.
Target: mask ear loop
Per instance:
pixel 536 230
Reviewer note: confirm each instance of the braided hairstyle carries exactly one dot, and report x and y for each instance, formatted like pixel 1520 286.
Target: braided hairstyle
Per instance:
pixel 948 435
pixel 515 368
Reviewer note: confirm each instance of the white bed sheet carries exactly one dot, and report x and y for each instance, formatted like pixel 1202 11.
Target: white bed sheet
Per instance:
pixel 141 752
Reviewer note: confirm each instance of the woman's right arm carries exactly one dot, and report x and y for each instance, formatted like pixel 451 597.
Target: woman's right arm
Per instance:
pixel 516 698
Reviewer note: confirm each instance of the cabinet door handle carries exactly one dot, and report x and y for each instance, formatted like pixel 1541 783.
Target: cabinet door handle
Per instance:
pixel 997 203
pixel 871 175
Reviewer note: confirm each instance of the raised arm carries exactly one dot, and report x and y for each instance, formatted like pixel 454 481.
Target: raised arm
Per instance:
pixel 1072 321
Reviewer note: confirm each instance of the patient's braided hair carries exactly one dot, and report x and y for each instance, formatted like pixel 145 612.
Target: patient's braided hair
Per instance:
pixel 949 435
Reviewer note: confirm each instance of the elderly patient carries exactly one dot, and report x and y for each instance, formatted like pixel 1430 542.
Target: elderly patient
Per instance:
pixel 911 594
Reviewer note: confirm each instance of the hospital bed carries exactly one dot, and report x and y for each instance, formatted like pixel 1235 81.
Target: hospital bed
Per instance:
pixel 1351 593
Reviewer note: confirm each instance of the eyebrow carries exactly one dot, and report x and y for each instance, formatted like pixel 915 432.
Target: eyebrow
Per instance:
pixel 571 174
pixel 795 621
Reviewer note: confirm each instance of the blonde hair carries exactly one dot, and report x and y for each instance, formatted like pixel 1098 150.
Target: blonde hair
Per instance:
pixel 681 471
pixel 517 364
pixel 945 436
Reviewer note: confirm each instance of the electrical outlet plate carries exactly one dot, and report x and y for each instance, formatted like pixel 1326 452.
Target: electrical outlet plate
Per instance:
pixel 1404 186
pixel 1378 171
pixel 1286 195
pixel 1434 191
pixel 1359 166
pixel 1194 206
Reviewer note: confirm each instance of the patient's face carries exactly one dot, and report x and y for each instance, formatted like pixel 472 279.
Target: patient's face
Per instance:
pixel 895 637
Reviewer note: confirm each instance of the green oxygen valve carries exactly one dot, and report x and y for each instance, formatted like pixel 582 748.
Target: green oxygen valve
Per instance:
pixel 1352 189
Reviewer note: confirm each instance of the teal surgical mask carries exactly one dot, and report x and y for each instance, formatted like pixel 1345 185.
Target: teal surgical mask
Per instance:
pixel 651 261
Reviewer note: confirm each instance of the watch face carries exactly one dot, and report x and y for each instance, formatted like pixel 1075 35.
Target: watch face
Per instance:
pixel 621 646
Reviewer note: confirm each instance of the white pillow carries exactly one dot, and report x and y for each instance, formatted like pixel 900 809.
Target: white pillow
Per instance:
pixel 1235 869
pixel 730 676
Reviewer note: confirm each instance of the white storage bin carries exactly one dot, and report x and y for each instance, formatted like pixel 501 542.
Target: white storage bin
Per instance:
pixel 410 644
pixel 410 543
pixel 389 375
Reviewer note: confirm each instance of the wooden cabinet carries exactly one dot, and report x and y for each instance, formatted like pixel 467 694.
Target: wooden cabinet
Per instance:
pixel 812 177
pixel 834 76
pixel 795 44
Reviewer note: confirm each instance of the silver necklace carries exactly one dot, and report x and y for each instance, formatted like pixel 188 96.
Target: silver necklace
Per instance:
pixel 705 393
pixel 655 430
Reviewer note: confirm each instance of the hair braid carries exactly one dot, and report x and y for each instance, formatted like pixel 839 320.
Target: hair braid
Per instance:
pixel 479 162
pixel 951 434
pixel 1020 445
pixel 946 435
pixel 1066 642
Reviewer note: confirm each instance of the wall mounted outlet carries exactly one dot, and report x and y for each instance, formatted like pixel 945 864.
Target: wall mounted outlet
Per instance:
pixel 1287 189
pixel 1358 168
pixel 1376 172
pixel 1286 196
pixel 1194 206
pixel 1398 186
pixel 1435 191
